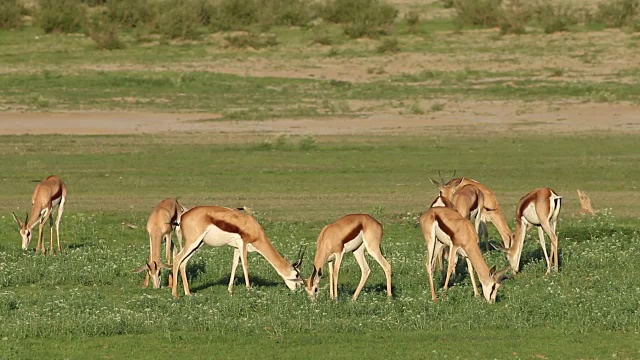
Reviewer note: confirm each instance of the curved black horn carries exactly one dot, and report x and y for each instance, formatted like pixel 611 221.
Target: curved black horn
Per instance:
pixel 26 217
pixel 301 252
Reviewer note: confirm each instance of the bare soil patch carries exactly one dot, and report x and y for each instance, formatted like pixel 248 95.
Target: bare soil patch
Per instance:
pixel 459 118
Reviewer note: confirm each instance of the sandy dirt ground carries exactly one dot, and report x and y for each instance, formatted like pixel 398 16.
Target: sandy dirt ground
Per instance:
pixel 466 117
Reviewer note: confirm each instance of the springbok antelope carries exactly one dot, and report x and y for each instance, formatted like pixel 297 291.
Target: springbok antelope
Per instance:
pixel 491 210
pixel 218 226
pixel 49 193
pixel 443 226
pixel 351 233
pixel 539 208
pixel 159 227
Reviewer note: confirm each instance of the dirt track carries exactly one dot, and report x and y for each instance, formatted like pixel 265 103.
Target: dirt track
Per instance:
pixel 468 117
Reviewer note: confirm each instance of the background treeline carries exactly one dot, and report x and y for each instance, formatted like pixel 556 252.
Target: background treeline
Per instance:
pixel 105 20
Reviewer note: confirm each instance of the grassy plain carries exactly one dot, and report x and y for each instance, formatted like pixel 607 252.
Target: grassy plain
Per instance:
pixel 86 302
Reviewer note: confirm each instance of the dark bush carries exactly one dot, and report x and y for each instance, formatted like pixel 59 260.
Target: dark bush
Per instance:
pixel 10 14
pixel 103 32
pixel 389 45
pixel 64 16
pixel 129 13
pixel 618 13
pixel 285 12
pixel 233 15
pixel 360 17
pixel 250 40
pixel 94 2
pixel 177 19
pixel 513 17
pixel 484 13
pixel 555 17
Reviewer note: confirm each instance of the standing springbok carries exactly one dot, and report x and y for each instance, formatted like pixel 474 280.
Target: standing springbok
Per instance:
pixel 351 233
pixel 48 194
pixel 159 227
pixel 539 208
pixel 492 210
pixel 218 226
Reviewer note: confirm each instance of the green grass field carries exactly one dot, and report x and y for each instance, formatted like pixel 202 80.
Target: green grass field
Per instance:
pixel 86 302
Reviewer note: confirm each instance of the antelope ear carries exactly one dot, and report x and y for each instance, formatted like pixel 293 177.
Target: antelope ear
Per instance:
pixel 142 268
pixel 320 273
pixel 437 184
pixel 492 270
pixel 165 266
pixel 456 182
pixel 500 275
pixel 499 247
pixel 16 219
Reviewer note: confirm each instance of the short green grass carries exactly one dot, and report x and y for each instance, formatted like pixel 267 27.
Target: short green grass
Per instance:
pixel 86 302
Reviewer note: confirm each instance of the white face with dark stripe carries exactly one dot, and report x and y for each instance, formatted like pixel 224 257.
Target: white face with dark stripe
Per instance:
pixel 25 234
pixel 490 291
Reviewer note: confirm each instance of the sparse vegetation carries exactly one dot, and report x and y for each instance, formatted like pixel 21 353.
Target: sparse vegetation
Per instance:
pixel 360 18
pixel 242 40
pixel 389 45
pixel 555 17
pixel 618 13
pixel 130 13
pixel 65 16
pixel 513 17
pixel 103 32
pixel 10 14
pixel 178 19
pixel 484 13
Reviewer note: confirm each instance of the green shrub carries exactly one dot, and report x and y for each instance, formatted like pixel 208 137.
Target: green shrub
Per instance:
pixel 389 45
pixel 103 32
pixel 360 17
pixel 233 14
pixel 447 4
pixel 250 40
pixel 321 36
pixel 285 12
pixel 93 2
pixel 513 17
pixel 484 13
pixel 10 14
pixel 129 13
pixel 177 19
pixel 555 17
pixel 413 18
pixel 618 13
pixel 64 16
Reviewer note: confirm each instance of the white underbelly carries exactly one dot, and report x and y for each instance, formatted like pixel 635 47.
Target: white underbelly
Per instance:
pixel 353 244
pixel 349 246
pixel 56 202
pixel 216 237
pixel 443 237
pixel 530 215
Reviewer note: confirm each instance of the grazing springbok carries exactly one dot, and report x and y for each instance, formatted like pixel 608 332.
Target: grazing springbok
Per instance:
pixel 48 194
pixel 218 226
pixel 443 226
pixel 159 227
pixel 351 233
pixel 539 208
pixel 491 209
